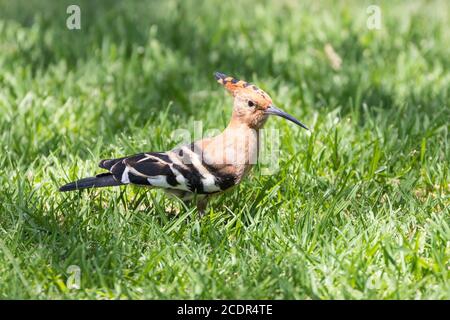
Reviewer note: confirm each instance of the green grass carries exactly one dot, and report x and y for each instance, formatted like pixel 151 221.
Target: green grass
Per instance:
pixel 359 209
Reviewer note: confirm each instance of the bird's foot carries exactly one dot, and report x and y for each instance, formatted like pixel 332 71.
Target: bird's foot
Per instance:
pixel 201 206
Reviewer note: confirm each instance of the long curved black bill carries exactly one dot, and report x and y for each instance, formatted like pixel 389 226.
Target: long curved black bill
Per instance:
pixel 275 111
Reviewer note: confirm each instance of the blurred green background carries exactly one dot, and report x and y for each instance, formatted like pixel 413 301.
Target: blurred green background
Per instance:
pixel 359 209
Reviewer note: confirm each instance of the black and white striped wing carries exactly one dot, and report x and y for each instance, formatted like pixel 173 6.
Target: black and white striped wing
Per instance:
pixel 180 169
pixel 149 169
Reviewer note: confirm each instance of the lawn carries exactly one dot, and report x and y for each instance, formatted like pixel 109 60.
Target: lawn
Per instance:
pixel 357 209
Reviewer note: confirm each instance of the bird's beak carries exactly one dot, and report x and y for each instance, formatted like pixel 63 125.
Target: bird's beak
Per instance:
pixel 275 111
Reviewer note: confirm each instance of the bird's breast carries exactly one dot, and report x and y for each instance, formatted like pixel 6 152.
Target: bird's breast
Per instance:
pixel 234 151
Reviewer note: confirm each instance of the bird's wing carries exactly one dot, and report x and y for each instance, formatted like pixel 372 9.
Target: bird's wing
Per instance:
pixel 180 169
pixel 151 169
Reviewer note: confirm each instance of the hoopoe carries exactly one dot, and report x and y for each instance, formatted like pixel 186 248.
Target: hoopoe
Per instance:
pixel 205 167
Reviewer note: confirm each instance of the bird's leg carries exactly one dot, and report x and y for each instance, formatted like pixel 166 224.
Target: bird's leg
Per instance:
pixel 202 202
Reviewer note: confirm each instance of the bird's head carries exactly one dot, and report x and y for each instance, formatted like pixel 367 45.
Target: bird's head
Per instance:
pixel 252 105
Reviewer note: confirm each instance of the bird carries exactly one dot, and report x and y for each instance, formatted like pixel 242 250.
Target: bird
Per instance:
pixel 203 168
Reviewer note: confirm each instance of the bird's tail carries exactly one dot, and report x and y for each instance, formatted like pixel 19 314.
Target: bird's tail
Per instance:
pixel 101 180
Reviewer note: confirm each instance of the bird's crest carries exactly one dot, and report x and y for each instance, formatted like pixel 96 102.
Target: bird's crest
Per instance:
pixel 240 87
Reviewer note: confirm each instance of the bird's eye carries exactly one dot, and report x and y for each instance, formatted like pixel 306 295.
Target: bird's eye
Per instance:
pixel 250 103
